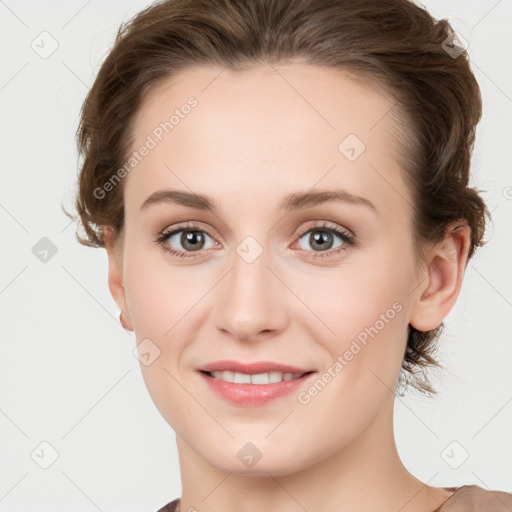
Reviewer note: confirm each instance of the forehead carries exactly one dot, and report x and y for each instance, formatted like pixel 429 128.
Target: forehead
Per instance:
pixel 329 100
pixel 265 127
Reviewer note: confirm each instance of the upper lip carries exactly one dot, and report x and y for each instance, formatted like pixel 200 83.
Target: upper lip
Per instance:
pixel 252 368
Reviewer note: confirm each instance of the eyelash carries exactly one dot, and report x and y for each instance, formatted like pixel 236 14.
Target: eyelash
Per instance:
pixel 348 239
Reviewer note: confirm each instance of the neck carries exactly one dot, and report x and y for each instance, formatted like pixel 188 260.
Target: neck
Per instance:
pixel 366 474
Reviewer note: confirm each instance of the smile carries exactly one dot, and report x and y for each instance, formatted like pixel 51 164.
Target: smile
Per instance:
pixel 253 390
pixel 259 378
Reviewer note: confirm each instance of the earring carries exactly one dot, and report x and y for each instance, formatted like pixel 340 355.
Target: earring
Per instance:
pixel 123 323
pixel 402 385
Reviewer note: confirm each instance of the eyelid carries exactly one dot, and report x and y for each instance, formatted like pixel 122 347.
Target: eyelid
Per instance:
pixel 327 226
pixel 167 233
pixel 347 236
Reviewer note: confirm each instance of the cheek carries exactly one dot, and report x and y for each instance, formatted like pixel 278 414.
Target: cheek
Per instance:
pixel 159 293
pixel 158 301
pixel 362 311
pixel 369 319
pixel 164 301
pixel 344 301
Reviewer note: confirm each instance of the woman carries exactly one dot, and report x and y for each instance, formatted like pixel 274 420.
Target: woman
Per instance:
pixel 282 191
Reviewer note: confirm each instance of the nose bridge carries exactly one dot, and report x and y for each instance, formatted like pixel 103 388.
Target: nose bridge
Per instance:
pixel 249 302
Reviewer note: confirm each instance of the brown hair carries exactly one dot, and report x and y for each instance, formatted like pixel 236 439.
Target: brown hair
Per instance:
pixel 394 44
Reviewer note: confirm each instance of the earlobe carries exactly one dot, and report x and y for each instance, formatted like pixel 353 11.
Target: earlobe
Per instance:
pixel 440 288
pixel 115 275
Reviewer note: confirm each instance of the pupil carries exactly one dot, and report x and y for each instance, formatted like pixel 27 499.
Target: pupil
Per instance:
pixel 321 239
pixel 192 237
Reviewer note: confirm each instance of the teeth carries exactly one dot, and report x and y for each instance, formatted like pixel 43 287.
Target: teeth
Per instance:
pixel 260 378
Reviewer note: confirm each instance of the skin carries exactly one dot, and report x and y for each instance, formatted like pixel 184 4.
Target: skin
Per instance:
pixel 254 137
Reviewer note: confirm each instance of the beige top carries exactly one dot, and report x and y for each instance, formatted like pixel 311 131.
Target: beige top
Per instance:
pixel 468 498
pixel 472 498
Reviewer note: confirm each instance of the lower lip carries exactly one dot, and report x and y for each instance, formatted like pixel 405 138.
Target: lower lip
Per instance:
pixel 251 395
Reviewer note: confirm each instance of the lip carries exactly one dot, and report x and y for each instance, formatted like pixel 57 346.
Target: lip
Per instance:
pixel 252 368
pixel 253 395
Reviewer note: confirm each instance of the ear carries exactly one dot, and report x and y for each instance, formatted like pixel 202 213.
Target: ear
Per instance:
pixel 115 273
pixel 438 292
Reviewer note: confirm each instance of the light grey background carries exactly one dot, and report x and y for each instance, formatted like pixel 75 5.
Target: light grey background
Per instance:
pixel 68 376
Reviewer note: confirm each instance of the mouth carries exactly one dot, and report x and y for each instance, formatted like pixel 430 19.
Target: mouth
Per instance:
pixel 253 384
pixel 257 378
pixel 260 372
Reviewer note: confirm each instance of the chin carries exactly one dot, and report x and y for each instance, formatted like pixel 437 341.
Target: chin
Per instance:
pixel 262 468
pixel 245 458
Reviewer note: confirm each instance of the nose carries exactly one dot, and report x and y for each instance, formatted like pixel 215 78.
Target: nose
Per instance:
pixel 251 302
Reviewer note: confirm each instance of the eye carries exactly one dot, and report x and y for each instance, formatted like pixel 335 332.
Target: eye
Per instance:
pixel 321 239
pixel 189 237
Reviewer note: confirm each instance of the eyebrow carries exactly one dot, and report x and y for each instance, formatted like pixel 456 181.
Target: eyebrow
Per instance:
pixel 295 201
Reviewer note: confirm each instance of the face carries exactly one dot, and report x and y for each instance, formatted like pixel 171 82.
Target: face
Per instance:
pixel 265 274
